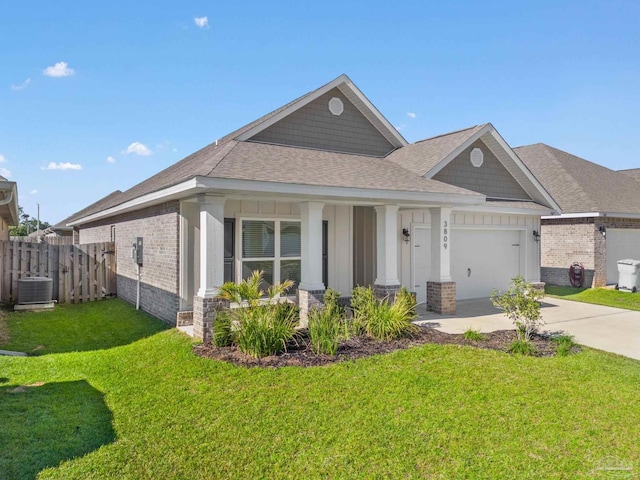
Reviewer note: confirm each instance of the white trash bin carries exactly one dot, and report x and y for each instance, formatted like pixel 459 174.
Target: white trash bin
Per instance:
pixel 628 275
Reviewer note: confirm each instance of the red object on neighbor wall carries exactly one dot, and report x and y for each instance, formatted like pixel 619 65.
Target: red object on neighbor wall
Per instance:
pixel 576 274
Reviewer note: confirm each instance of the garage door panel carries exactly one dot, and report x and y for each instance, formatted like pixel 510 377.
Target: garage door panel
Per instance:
pixel 621 244
pixel 482 260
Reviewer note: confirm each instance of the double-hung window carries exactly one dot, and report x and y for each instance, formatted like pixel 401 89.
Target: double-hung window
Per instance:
pixel 272 246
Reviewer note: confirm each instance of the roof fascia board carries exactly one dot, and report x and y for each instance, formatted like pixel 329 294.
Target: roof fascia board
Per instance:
pixel 341 80
pixel 595 214
pixel 12 187
pixel 457 151
pixel 203 184
pixel 488 208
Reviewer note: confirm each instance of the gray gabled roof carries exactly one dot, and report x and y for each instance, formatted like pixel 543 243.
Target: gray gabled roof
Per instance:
pixel 578 185
pixel 94 207
pixel 422 156
pixel 632 172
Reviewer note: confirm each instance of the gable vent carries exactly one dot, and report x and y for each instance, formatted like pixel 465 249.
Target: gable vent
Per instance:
pixel 34 290
pixel 476 157
pixel 336 106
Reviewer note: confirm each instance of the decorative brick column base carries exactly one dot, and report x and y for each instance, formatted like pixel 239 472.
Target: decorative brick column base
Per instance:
pixel 204 314
pixel 383 291
pixel 307 299
pixel 184 318
pixel 441 297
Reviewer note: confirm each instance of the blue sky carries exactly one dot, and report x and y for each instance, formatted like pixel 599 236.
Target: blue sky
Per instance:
pixel 83 82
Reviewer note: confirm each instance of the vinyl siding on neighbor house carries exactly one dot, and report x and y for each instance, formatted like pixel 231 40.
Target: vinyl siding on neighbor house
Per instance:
pixel 314 126
pixel 491 178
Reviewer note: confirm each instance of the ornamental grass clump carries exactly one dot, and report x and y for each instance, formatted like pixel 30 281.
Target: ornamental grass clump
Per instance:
pixel 380 318
pixel 327 326
pixel 259 326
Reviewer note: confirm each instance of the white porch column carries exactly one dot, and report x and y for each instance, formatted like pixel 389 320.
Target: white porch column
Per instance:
pixel 311 246
pixel 387 246
pixel 211 245
pixel 441 289
pixel 440 244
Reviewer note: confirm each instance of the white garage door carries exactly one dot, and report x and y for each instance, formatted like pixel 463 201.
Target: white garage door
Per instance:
pixel 482 260
pixel 622 243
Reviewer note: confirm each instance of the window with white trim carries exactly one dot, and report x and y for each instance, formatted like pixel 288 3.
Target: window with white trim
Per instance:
pixel 272 246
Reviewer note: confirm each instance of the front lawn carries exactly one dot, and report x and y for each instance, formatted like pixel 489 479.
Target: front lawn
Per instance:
pixel 82 327
pixel 154 410
pixel 598 296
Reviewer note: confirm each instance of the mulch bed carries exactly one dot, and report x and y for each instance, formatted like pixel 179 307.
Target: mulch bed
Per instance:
pixel 300 354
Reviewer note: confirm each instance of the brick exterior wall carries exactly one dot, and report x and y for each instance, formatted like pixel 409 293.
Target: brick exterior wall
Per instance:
pixel 567 240
pixel 384 291
pixel 159 227
pixel 204 314
pixel 441 297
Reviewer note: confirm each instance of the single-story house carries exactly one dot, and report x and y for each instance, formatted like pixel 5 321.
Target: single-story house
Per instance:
pixel 326 192
pixel 599 221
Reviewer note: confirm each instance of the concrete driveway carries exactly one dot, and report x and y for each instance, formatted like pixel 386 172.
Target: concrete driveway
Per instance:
pixel 606 328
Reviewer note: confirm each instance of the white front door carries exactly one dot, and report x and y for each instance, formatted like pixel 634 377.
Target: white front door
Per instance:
pixel 421 240
pixel 482 260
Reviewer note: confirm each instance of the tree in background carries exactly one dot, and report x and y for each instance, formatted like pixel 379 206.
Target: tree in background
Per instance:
pixel 27 225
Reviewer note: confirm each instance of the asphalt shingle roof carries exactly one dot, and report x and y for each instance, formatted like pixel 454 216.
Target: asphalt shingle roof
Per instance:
pixel 420 157
pixel 578 185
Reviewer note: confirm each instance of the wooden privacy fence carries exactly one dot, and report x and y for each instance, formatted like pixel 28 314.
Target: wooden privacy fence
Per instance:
pixel 80 273
pixel 45 239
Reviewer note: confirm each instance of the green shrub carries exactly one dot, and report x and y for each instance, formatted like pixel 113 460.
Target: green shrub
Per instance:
pixel 564 344
pixel 265 330
pixel 407 298
pixel 222 329
pixel 522 347
pixel 521 304
pixel 327 325
pixel 389 321
pixel 474 335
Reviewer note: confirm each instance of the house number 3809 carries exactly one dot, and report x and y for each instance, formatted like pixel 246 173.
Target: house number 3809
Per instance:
pixel 445 237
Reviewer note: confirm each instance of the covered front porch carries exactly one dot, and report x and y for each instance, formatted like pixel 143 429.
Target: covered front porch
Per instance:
pixel 317 243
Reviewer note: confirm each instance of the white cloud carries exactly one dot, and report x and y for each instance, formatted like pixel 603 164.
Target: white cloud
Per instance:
pixel 60 69
pixel 3 159
pixel 411 115
pixel 110 159
pixel 139 149
pixel 22 86
pixel 201 22
pixel 33 192
pixel 4 172
pixel 63 166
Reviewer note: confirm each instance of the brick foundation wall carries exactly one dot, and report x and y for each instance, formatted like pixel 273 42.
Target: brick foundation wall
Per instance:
pixel 159 227
pixel 441 297
pixel 384 291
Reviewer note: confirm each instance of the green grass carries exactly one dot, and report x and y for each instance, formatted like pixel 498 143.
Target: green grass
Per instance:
pixel 154 410
pixel 474 335
pixel 598 296
pixel 69 328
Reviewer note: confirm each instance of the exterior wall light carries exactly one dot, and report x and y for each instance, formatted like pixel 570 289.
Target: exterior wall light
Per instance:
pixel 406 235
pixel 536 235
pixel 603 231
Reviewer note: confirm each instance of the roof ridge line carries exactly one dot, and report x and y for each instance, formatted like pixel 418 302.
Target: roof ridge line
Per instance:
pixel 449 133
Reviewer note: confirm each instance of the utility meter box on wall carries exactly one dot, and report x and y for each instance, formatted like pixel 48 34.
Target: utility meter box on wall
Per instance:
pixel 136 250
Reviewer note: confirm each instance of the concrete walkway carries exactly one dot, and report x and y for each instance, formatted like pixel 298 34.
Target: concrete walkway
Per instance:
pixel 611 329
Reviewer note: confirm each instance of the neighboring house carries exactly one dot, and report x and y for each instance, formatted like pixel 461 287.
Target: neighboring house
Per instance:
pixel 8 207
pixel 600 215
pixel 326 192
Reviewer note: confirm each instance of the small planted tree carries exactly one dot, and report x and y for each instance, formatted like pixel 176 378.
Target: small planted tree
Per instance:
pixel 521 304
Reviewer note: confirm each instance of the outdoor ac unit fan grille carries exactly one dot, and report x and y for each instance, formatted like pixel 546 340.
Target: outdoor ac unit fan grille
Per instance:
pixel 34 290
